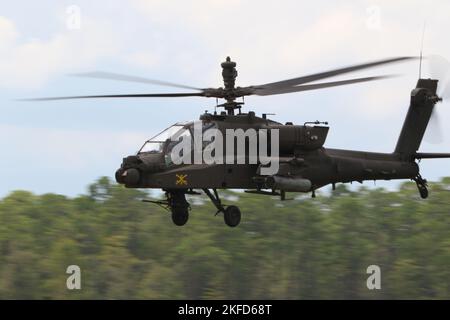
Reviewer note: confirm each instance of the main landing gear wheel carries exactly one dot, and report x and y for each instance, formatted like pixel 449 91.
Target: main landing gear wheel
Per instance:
pixel 178 206
pixel 232 216
pixel 180 216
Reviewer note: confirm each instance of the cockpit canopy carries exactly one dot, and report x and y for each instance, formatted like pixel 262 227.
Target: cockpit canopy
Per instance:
pixel 168 138
pixel 174 132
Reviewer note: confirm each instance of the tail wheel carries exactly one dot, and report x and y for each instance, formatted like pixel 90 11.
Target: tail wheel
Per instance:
pixel 422 186
pixel 232 216
pixel 423 192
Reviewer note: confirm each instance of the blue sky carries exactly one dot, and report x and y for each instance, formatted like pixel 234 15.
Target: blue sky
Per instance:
pixel 63 146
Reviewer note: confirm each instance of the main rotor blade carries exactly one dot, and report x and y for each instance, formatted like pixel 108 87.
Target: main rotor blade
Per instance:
pixel 124 77
pixel 144 95
pixel 331 73
pixel 273 91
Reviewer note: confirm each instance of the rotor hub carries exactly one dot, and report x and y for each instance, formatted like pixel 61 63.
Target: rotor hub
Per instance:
pixel 229 73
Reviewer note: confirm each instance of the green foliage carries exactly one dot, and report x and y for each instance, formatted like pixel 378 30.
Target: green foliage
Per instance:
pixel 297 249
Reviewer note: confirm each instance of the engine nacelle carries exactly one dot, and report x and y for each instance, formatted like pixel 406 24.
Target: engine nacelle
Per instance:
pixel 305 137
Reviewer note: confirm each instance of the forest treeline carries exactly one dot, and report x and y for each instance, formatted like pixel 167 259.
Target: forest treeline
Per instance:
pixel 296 249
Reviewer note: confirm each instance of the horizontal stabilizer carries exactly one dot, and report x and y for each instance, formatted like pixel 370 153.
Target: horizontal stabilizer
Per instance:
pixel 421 155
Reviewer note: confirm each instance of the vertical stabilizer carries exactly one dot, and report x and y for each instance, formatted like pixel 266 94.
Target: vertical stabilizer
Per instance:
pixel 423 99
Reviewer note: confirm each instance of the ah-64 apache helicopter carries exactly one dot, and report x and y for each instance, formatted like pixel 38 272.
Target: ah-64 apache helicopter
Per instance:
pixel 304 165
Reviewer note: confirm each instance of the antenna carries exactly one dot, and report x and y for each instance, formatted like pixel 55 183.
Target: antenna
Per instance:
pixel 421 50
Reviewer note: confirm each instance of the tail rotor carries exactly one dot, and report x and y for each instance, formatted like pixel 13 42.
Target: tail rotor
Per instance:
pixel 439 68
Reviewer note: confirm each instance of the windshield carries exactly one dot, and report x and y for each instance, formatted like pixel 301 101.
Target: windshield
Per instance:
pixel 166 140
pixel 156 144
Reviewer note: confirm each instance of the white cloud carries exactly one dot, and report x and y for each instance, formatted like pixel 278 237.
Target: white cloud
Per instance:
pixel 146 59
pixel 62 149
pixel 7 33
pixel 270 40
pixel 30 63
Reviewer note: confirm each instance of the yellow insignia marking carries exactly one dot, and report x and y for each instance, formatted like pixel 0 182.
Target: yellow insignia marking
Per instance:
pixel 181 179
